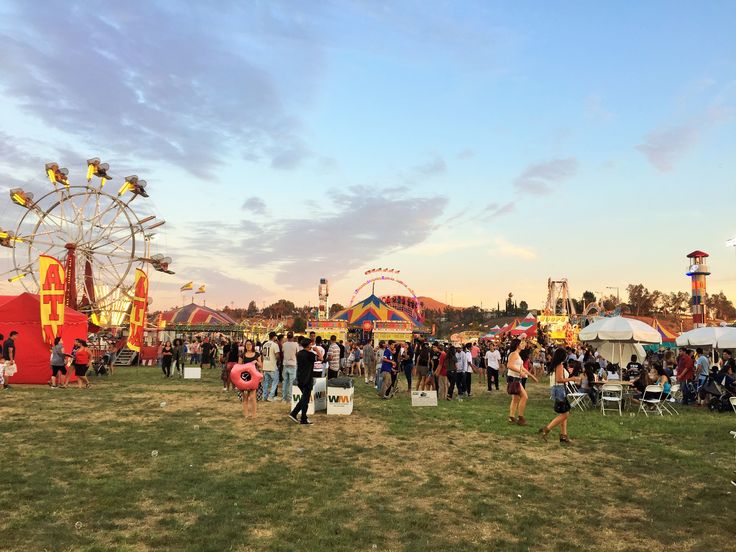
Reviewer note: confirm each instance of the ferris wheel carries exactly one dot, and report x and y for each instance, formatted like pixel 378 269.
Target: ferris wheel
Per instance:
pixel 374 275
pixel 95 232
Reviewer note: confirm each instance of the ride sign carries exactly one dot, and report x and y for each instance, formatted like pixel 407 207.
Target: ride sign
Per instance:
pixel 138 311
pixel 51 298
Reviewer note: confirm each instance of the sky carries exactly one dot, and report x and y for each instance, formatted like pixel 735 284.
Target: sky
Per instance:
pixel 478 147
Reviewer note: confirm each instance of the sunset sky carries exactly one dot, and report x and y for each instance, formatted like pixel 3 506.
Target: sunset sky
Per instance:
pixel 479 147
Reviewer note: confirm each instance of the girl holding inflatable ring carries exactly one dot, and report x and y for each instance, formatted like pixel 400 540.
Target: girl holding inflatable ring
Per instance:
pixel 246 377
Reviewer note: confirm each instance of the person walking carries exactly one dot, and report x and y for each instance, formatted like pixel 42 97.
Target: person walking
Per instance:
pixel 379 364
pixel 305 360
pixel 58 363
pixel 270 353
pixel 450 369
pixel 167 356
pixel 493 364
pixel 82 357
pixel 440 370
pixel 423 359
pixel 407 363
pixel 514 375
pixel 178 358
pixel 289 350
pixel 559 393
pixel 388 369
pixel 250 355
pixel 369 362
pixel 232 354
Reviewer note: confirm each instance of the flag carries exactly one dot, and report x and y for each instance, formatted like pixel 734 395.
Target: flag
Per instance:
pixel 200 290
pixel 138 312
pixel 187 287
pixel 51 295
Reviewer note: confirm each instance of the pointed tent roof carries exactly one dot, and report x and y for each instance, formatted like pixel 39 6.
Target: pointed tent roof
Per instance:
pixel 667 336
pixel 508 326
pixel 527 326
pixel 372 309
pixel 492 332
pixel 196 314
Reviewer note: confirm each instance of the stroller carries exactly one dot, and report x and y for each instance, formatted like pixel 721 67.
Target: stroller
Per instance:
pixel 720 390
pixel 100 365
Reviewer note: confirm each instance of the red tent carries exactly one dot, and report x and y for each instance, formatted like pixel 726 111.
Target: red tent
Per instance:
pixel 22 313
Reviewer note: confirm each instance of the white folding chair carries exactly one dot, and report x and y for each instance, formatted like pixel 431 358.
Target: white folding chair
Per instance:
pixel 612 393
pixel 651 399
pixel 732 400
pixel 669 400
pixel 576 397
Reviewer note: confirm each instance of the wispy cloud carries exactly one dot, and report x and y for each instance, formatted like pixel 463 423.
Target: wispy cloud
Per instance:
pixel 595 110
pixel 466 153
pixel 539 178
pixel 504 248
pixel 433 167
pixel 495 209
pixel 186 85
pixel 255 205
pixel 363 224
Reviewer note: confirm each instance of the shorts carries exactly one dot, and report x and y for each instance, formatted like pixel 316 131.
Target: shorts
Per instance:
pixel 80 370
pixel 423 370
pixel 56 369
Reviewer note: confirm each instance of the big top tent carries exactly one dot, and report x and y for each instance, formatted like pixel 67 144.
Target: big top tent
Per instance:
pixel 528 326
pixel 372 309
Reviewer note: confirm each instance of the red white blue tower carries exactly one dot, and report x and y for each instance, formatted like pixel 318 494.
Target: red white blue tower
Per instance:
pixel 698 270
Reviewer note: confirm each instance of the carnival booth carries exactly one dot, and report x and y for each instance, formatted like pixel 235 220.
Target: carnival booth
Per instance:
pixel 22 313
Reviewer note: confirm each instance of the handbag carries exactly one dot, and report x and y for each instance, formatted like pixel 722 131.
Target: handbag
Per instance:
pixel 513 387
pixel 562 406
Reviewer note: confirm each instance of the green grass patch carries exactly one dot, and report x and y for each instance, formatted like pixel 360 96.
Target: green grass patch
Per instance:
pixel 77 473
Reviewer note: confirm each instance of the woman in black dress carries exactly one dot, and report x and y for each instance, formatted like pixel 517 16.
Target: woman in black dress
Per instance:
pixel 167 354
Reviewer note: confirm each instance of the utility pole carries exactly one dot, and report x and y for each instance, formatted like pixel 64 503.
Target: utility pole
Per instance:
pixel 618 299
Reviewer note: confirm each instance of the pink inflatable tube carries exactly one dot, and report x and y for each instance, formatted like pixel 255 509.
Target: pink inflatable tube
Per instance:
pixel 245 377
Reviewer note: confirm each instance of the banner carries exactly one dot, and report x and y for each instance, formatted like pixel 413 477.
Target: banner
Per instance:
pixel 138 311
pixel 554 325
pixel 51 298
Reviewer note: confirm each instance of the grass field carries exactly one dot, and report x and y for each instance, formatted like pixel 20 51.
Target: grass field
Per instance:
pixel 77 473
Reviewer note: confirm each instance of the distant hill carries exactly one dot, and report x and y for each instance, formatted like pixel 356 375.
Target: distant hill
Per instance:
pixel 433 304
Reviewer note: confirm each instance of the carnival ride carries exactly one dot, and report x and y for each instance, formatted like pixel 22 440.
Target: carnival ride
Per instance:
pixel 86 225
pixel 558 298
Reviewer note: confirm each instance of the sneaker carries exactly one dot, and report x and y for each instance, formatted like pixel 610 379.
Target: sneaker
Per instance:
pixel 733 482
pixel 224 388
pixel 269 399
pixel 306 422
pixel 278 399
pixel 293 418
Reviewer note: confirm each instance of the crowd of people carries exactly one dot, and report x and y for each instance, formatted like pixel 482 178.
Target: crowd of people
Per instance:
pixel 402 366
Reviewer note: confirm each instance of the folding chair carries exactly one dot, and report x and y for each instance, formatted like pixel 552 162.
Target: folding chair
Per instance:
pixel 732 400
pixel 576 397
pixel 612 393
pixel 669 400
pixel 652 398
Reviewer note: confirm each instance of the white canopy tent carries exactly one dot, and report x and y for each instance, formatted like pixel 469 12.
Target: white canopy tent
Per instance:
pixel 723 337
pixel 618 338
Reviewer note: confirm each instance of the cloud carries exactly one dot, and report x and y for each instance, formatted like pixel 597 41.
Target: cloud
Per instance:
pixel 467 153
pixel 538 178
pixel 595 110
pixel 499 209
pixel 363 224
pixel 255 205
pixel 664 147
pixel 434 167
pixel 504 248
pixel 186 86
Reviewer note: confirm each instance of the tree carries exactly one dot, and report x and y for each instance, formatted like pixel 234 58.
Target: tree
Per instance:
pixel 252 309
pixel 335 308
pixel 523 307
pixel 640 299
pixel 719 306
pixel 299 324
pixel 588 297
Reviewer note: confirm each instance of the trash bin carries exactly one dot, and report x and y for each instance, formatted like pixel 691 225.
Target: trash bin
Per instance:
pixel 340 396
